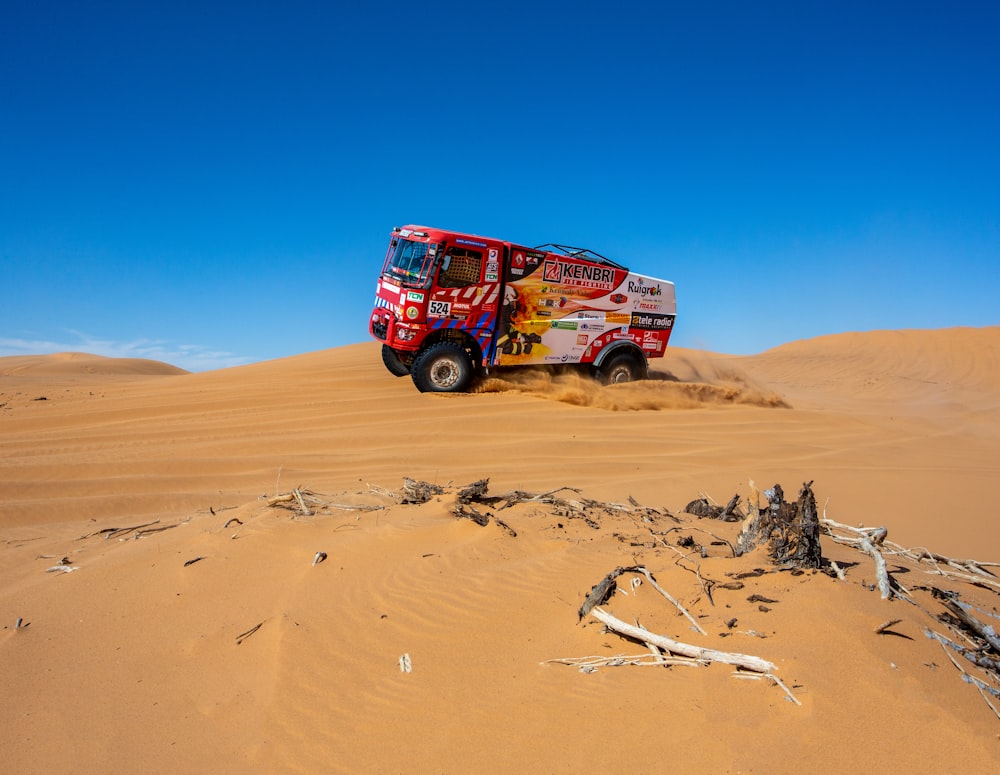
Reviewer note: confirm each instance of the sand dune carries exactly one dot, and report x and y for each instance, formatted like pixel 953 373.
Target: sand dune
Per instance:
pixel 81 364
pixel 139 660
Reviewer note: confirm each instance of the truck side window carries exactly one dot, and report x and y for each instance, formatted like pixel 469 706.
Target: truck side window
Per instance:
pixel 464 267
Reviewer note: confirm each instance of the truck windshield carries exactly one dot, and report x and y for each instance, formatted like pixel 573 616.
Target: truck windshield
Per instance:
pixel 410 262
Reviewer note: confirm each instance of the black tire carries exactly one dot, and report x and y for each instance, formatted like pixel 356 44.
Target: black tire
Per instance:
pixel 393 362
pixel 444 367
pixel 622 368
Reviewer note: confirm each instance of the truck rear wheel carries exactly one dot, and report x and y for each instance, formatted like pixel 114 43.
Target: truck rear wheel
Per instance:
pixel 622 368
pixel 393 362
pixel 444 367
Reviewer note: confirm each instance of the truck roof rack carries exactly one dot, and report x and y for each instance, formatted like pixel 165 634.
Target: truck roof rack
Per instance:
pixel 569 250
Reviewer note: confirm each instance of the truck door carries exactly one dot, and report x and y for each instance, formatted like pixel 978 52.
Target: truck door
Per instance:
pixel 465 294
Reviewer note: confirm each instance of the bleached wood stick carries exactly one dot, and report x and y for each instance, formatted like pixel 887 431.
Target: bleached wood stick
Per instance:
pixel 881 572
pixel 964 577
pixel 754 664
pixel 645 572
pixel 640 660
pixel 306 511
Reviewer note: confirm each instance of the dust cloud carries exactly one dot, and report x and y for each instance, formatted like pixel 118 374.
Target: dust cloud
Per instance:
pixel 663 390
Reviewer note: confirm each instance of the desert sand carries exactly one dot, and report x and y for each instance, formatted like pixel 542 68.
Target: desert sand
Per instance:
pixel 163 609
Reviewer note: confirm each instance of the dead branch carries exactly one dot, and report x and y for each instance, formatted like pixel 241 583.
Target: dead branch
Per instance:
pixel 117 532
pixel 244 635
pixel 419 492
pixel 869 541
pixel 590 664
pixel 971 578
pixel 642 635
pixel 964 614
pixel 790 530
pixel 602 591
pixel 980 685
pixel 668 596
pixel 972 655
pixel 881 572
pixel 299 499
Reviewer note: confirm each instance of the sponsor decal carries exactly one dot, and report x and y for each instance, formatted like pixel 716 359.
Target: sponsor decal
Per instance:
pixel 388 286
pixel 491 277
pixel 414 296
pixel 439 309
pixel 643 289
pixel 543 313
pixel 618 298
pixel 474 243
pixel 651 306
pixel 582 339
pixel 591 326
pixel 461 305
pixel 534 258
pixel 651 321
pixel 579 274
pixel 568 325
pixel 492 266
pixel 519 259
pixel 618 317
pixel 493 257
pixel 412 312
pixel 590 316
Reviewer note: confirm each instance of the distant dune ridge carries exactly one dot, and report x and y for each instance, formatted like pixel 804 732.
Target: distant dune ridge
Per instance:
pixel 165 607
pixel 79 364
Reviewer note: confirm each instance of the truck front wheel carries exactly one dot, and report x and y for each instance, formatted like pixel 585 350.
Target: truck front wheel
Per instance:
pixel 444 367
pixel 622 368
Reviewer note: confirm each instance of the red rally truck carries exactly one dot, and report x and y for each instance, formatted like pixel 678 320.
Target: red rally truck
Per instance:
pixel 449 306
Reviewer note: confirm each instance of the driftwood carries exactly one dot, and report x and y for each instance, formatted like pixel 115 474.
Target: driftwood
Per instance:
pixel 602 591
pixel 870 541
pixel 790 530
pixel 419 492
pixel 648 659
pixel 586 509
pixel 244 635
pixel 477 494
pixel 747 662
pixel 137 531
pixel 963 612
pixel 703 507
pixel 463 511
pixel 984 649
pixel 297 500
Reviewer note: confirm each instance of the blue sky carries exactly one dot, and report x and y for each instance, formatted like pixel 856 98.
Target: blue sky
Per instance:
pixel 213 183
